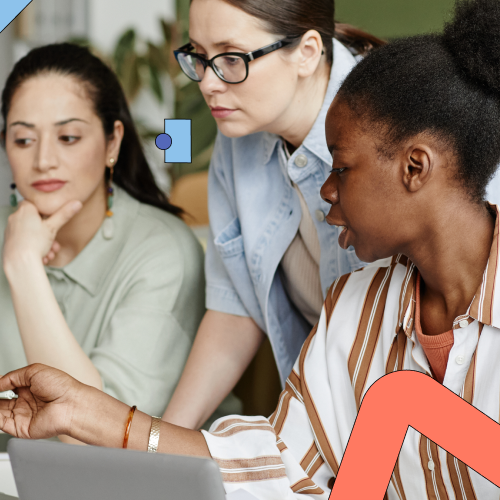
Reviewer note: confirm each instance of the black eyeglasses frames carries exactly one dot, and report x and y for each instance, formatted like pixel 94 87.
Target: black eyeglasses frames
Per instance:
pixel 230 67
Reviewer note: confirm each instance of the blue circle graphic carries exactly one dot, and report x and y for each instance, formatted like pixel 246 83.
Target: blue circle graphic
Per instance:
pixel 163 141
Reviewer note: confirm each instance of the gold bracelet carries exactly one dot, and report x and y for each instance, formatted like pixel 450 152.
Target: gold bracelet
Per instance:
pixel 154 435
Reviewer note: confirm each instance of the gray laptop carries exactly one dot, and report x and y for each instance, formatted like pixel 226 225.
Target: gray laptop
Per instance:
pixel 56 471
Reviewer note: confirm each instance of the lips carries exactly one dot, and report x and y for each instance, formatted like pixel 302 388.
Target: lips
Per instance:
pixel 220 112
pixel 48 185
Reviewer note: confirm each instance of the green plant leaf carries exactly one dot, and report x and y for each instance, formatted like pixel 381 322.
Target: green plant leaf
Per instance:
pixel 155 83
pixel 166 29
pixel 156 57
pixel 130 77
pixel 124 46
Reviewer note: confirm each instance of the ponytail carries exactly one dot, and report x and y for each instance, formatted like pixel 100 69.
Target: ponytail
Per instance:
pixel 296 17
pixel 355 39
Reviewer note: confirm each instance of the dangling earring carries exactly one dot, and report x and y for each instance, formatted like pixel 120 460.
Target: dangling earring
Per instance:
pixel 13 196
pixel 108 227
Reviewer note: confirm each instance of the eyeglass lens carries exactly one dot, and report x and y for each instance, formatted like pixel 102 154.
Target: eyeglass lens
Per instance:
pixel 231 69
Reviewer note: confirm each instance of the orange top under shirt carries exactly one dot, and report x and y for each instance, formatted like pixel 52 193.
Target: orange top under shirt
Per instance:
pixel 436 347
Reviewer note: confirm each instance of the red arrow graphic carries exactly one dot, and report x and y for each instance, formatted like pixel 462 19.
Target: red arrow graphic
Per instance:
pixel 431 409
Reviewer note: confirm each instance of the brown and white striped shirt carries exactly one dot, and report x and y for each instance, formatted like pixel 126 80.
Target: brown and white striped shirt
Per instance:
pixel 366 330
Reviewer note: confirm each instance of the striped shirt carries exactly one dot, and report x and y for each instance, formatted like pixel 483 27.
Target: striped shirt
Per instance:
pixel 365 331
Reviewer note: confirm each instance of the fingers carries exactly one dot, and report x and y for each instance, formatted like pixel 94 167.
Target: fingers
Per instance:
pixel 57 220
pixel 24 208
pixel 22 377
pixel 6 420
pixel 26 205
pixel 49 257
pixel 7 417
pixel 13 380
pixel 16 418
pixel 52 253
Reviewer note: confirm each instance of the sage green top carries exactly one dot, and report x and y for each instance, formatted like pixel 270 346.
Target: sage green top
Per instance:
pixel 133 302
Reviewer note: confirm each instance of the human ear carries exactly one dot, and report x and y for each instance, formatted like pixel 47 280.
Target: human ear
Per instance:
pixel 310 50
pixel 418 166
pixel 114 143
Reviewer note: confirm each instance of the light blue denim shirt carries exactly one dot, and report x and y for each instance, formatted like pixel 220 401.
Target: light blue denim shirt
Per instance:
pixel 493 189
pixel 254 216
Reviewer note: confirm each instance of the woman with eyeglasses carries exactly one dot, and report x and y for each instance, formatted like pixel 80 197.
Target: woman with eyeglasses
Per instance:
pixel 268 71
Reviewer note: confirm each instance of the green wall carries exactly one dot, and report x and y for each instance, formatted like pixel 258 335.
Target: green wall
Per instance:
pixel 394 18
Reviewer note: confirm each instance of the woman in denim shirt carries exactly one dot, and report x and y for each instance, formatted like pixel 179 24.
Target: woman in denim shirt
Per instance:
pixel 271 256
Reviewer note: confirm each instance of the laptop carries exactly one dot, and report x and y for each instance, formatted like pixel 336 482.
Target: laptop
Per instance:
pixel 55 471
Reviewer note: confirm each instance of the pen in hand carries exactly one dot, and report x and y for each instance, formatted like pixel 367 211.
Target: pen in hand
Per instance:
pixel 8 395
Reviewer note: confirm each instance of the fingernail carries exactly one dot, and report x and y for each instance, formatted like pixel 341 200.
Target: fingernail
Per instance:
pixel 76 205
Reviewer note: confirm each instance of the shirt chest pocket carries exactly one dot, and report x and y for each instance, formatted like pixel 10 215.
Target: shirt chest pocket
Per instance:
pixel 229 242
pixel 231 249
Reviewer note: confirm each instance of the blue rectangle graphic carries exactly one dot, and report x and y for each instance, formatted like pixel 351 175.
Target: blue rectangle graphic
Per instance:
pixel 180 150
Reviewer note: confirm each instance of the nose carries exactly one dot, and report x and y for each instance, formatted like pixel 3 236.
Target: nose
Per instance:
pixel 329 191
pixel 211 83
pixel 46 157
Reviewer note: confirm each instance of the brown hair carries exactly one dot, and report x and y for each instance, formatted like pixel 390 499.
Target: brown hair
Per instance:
pixel 296 17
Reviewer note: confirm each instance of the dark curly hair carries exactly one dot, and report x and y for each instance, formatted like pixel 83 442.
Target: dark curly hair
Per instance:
pixel 132 172
pixel 447 85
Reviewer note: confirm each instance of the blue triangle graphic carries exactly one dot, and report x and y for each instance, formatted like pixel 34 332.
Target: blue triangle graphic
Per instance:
pixel 9 10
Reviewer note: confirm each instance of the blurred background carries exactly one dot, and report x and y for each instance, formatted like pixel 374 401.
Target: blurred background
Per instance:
pixel 136 37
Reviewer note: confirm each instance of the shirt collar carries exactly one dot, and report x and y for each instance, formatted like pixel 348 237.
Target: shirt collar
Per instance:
pixel 315 142
pixel 269 142
pixel 343 63
pixel 92 265
pixel 485 306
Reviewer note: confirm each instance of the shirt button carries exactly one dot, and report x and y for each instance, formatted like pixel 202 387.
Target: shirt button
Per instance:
pixel 320 215
pixel 430 465
pixel 464 323
pixel 460 360
pixel 301 160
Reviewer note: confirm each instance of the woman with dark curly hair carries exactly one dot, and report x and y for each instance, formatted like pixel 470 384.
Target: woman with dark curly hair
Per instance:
pixel 415 137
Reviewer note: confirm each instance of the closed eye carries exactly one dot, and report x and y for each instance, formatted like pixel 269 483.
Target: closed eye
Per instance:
pixel 337 170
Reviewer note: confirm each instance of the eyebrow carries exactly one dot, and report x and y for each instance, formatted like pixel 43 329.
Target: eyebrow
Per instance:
pixel 58 124
pixel 24 124
pixel 218 44
pixel 64 122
